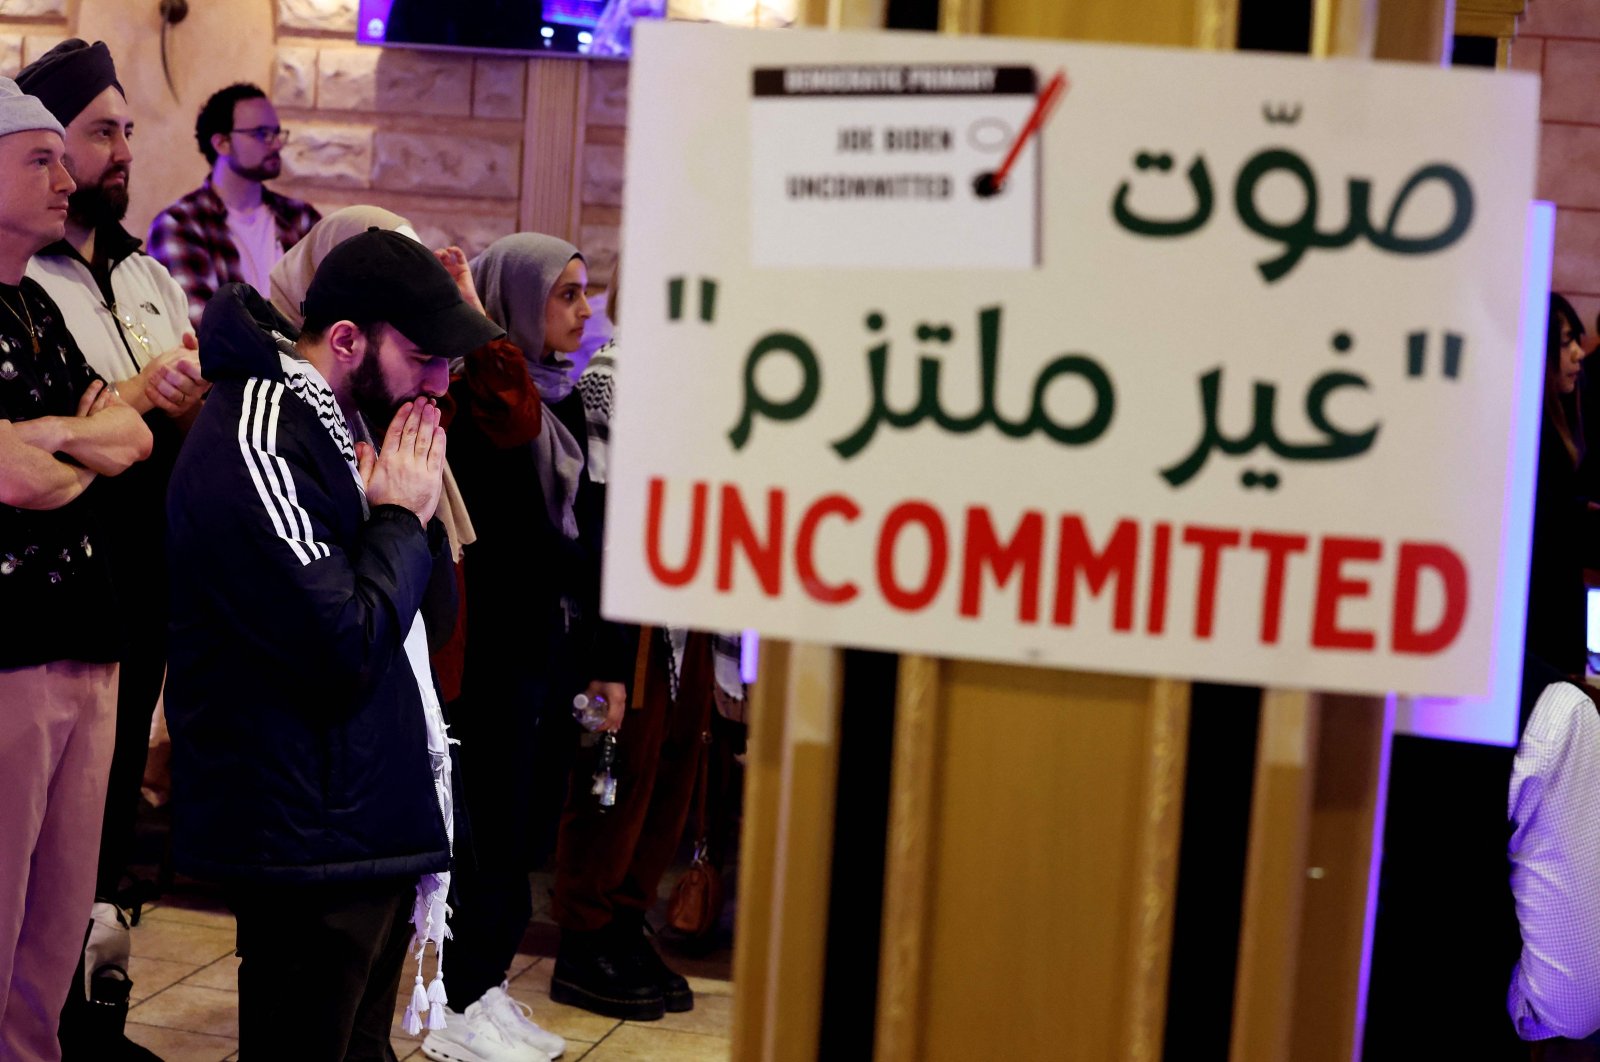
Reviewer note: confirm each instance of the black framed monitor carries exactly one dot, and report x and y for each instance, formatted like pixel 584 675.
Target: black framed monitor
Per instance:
pixel 518 27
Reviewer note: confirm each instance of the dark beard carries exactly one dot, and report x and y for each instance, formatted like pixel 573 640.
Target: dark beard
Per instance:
pixel 94 205
pixel 371 396
pixel 260 174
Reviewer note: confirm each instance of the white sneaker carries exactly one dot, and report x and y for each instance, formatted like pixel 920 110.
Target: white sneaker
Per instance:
pixel 515 1019
pixel 475 1037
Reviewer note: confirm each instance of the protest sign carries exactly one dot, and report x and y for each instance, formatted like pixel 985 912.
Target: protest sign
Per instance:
pixel 1213 368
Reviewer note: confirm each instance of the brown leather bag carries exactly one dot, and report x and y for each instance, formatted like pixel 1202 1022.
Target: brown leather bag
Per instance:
pixel 696 901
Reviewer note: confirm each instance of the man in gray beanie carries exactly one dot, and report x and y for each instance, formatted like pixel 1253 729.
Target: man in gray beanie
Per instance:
pixel 131 321
pixel 61 428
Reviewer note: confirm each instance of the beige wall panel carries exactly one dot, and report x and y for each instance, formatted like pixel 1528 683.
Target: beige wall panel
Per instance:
pixel 1527 55
pixel 1561 18
pixel 1577 254
pixel 1569 165
pixel 551 138
pixel 1571 83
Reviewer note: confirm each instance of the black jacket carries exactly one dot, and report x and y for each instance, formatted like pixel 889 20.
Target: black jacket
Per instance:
pixel 299 751
pixel 521 569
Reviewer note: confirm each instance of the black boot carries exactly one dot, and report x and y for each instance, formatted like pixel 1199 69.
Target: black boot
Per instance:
pixel 597 972
pixel 91 1026
pixel 675 991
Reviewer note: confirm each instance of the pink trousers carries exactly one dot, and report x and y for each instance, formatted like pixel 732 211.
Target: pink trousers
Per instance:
pixel 57 727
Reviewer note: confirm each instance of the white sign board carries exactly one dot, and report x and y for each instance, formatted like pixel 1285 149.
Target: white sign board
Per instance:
pixel 1222 381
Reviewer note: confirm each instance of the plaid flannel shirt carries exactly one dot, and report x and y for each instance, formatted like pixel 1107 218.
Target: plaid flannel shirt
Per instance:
pixel 191 239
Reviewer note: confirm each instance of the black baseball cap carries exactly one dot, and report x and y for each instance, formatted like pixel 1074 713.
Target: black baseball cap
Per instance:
pixel 384 277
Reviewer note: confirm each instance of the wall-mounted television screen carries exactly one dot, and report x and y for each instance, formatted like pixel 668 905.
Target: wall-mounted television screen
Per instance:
pixel 540 27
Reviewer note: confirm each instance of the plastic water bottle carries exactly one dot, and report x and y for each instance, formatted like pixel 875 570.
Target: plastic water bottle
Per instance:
pixel 605 783
pixel 590 714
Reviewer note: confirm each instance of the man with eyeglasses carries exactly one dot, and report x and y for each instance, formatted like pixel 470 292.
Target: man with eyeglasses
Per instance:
pixel 131 321
pixel 232 229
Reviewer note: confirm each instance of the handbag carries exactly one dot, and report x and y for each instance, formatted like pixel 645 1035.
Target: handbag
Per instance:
pixel 696 901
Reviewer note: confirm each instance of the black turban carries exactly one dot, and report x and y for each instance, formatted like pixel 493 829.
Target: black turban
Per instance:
pixel 69 76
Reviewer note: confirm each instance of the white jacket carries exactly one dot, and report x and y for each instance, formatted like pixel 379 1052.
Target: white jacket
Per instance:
pixel 147 300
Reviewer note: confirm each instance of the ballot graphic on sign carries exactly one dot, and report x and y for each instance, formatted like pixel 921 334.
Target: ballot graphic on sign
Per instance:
pixel 892 167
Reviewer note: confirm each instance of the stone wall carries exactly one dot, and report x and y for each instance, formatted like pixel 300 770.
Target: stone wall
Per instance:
pixel 435 136
pixel 1560 41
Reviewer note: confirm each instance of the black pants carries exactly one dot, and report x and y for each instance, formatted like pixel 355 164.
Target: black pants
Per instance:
pixel 138 687
pixel 513 810
pixel 320 969
pixel 517 738
pixel 136 555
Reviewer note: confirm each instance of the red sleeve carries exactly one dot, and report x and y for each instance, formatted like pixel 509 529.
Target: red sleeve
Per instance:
pixel 500 396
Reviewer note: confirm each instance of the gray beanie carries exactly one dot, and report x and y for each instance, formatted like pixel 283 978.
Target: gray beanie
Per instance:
pixel 20 112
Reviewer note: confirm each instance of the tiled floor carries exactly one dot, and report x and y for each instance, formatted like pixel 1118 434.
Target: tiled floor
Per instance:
pixel 185 1000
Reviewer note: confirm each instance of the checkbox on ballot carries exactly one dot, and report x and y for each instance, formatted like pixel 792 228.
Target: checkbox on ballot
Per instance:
pixel 892 167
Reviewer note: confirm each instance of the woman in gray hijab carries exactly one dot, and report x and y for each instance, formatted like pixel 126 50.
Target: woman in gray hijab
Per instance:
pixel 534 635
pixel 525 280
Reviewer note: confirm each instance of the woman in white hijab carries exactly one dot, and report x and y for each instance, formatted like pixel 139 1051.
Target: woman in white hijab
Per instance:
pixel 493 389
pixel 292 275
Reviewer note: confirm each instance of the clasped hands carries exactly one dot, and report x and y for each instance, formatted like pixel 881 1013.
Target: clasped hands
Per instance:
pixel 171 382
pixel 409 469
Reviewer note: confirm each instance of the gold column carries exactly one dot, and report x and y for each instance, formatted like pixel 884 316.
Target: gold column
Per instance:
pixel 1347 27
pixel 1488 18
pixel 1035 814
pixel 1179 23
pixel 551 146
pixel 1321 779
pixel 1316 814
pixel 786 853
pixel 1415 31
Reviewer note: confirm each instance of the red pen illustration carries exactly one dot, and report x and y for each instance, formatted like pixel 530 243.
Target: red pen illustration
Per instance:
pixel 992 184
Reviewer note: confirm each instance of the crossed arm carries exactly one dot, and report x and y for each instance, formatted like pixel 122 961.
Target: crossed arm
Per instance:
pixel 104 438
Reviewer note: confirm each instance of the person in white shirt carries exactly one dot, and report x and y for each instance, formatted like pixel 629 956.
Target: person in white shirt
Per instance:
pixel 232 229
pixel 1554 809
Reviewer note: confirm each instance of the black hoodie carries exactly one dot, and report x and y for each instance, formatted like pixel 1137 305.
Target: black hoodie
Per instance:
pixel 299 749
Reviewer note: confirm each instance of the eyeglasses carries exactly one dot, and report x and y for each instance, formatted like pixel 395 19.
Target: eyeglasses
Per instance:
pixel 266 134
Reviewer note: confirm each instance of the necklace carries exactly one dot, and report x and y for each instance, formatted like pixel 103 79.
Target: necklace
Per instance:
pixel 33 337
